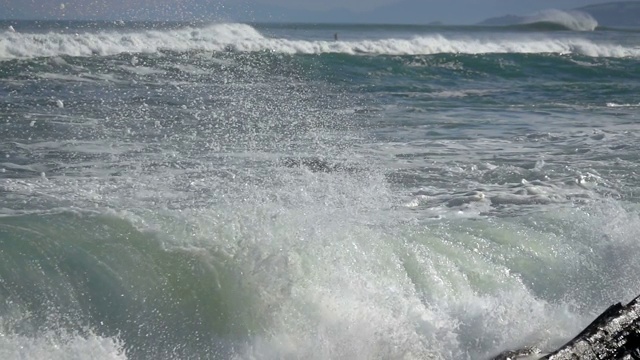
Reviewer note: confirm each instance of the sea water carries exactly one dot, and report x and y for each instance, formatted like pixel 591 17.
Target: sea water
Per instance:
pixel 266 191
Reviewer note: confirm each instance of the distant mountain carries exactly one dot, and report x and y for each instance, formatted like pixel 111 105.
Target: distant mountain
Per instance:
pixel 613 14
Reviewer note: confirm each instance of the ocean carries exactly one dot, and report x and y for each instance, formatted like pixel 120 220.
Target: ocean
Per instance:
pixel 295 191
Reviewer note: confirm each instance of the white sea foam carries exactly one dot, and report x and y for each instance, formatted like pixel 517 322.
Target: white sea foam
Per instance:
pixel 54 346
pixel 447 94
pixel 142 70
pixel 614 105
pixel 244 38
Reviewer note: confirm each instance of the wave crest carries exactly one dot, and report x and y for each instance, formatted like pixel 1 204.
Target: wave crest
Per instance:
pixel 214 37
pixel 244 38
pixel 571 20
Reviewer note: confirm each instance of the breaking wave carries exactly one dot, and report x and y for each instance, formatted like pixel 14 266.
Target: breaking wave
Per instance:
pixel 569 20
pixel 244 38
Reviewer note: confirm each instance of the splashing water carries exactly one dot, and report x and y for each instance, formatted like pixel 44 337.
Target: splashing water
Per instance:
pixel 243 192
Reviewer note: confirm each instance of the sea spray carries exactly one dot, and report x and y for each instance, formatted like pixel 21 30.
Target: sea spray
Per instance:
pixel 236 192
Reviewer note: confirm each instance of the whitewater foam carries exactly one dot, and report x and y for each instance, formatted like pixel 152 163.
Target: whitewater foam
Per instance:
pixel 56 346
pixel 446 94
pixel 614 105
pixel 244 38
pixel 187 237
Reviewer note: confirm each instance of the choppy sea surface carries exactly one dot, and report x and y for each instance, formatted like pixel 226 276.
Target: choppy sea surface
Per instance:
pixel 270 191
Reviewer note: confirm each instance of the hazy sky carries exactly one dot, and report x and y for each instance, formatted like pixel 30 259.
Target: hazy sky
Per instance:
pixel 449 11
pixel 354 5
pixel 456 5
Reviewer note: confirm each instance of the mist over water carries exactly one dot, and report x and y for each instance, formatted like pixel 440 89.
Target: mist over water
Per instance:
pixel 231 191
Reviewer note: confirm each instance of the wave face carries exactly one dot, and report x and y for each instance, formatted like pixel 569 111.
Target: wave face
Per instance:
pixel 105 274
pixel 228 191
pixel 244 38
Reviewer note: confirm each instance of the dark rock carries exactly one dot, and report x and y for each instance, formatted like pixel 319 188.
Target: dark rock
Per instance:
pixel 614 335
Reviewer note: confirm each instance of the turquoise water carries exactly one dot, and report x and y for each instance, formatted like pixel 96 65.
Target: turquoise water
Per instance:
pixel 263 191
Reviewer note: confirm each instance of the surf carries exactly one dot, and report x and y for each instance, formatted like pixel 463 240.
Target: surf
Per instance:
pixel 257 197
pixel 243 38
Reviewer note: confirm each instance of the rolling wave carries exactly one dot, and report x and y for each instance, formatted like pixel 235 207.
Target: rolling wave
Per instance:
pixel 244 38
pixel 106 275
pixel 558 19
pixel 541 26
pixel 169 206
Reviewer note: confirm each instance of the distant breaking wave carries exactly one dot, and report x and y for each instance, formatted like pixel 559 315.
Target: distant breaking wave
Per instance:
pixel 244 38
pixel 571 20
